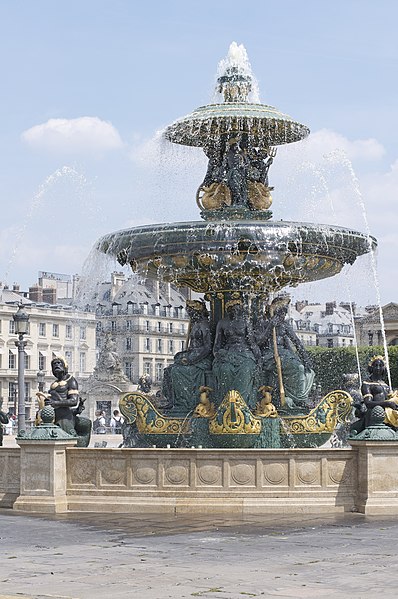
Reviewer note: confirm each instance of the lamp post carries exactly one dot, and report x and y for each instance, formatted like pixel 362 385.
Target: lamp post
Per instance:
pixel 21 319
pixel 40 380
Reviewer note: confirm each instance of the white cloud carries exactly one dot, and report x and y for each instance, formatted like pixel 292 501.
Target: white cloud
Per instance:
pixel 325 141
pixel 74 135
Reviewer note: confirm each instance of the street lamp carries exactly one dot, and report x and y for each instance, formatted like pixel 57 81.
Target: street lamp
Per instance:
pixel 40 380
pixel 21 319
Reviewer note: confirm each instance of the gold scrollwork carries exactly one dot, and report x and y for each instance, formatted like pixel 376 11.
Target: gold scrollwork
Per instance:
pixel 135 407
pixel 335 407
pixel 234 417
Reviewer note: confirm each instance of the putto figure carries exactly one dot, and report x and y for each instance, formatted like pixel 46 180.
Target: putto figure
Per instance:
pixel 63 396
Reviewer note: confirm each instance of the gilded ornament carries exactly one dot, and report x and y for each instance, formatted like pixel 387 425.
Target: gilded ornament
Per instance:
pixel 234 417
pixel 335 407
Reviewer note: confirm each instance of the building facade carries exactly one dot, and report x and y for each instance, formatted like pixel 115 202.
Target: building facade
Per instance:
pixel 147 321
pixel 54 330
pixel 326 325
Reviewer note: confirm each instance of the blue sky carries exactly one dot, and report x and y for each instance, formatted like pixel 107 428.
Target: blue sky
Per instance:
pixel 133 67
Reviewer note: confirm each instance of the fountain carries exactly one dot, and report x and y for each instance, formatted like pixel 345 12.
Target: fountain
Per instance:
pixel 245 378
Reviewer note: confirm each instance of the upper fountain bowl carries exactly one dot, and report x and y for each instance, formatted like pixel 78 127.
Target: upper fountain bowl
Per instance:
pixel 264 125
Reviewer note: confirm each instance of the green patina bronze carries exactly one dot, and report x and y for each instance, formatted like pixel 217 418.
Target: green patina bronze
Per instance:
pixel 245 378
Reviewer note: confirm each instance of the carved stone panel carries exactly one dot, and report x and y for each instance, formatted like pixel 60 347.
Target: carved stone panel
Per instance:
pixel 339 472
pixel 276 474
pixel 176 473
pixel 308 473
pixel 82 471
pixel 37 478
pixel 242 474
pixel 113 471
pixel 145 472
pixel 209 473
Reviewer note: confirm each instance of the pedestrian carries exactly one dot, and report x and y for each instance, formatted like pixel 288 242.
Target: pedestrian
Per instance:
pixel 116 423
pixel 99 424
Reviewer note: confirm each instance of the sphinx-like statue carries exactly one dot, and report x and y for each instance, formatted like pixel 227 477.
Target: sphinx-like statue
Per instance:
pixel 285 363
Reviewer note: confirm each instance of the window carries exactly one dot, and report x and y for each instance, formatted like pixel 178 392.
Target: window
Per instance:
pixel 113 326
pixel 11 327
pixel 98 326
pixel 159 327
pixel 69 359
pixel 148 368
pixel 129 344
pixel 129 325
pixel 170 327
pixel 159 346
pixel 82 333
pixel 13 391
pixel 343 342
pixel 55 330
pixel 158 371
pixel 42 361
pixel 147 344
pixel 182 345
pixel 171 346
pixel 42 329
pixel 27 391
pixel 82 362
pixel 147 327
pixel 182 328
pixel 128 370
pixel 27 361
pixel 330 342
pixel 12 360
pixel 68 330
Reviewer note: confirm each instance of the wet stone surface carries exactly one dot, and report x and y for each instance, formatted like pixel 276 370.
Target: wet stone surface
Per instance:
pixel 82 556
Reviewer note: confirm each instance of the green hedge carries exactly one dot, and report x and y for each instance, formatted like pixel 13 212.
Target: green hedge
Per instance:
pixel 331 363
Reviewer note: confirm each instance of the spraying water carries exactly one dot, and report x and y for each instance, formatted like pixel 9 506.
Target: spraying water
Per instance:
pixel 37 202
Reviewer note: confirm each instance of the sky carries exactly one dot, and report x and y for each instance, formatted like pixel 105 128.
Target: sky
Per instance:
pixel 88 84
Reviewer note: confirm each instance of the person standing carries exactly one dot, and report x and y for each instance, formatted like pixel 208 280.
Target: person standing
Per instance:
pixel 116 423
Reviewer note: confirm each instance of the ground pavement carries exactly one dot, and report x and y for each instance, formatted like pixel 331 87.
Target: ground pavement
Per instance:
pixel 94 556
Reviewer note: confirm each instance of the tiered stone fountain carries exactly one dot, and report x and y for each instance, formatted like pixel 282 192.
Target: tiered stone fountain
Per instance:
pixel 230 388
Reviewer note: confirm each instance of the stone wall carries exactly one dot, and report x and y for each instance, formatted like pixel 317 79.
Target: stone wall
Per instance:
pixel 54 476
pixel 192 480
pixel 10 466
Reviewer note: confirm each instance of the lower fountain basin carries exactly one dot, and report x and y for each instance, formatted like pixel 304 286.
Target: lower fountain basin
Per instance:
pixel 245 255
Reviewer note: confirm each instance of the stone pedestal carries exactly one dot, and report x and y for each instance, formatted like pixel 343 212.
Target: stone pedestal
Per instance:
pixel 377 491
pixel 43 476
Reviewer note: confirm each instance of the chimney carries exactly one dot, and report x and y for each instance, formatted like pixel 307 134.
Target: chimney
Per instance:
pixel 50 295
pixel 301 304
pixel 330 306
pixel 36 293
pixel 16 288
pixel 348 306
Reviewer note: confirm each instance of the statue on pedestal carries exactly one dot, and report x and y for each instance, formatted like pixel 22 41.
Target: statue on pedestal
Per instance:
pixel 63 396
pixel 285 363
pixel 183 379
pixel 376 392
pixel 235 355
